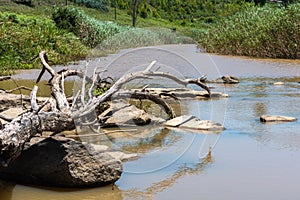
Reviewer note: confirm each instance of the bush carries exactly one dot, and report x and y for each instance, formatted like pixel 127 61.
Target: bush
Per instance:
pixel 23 37
pixel 90 31
pixel 25 2
pixel 258 31
pixel 97 4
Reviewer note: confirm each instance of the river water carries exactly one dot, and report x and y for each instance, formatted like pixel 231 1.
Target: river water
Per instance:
pixel 249 160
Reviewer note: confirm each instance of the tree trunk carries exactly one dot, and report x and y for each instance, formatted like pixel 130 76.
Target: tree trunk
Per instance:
pixel 135 6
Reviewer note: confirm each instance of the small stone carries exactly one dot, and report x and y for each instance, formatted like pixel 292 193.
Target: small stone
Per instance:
pixel 278 83
pixel 123 156
pixel 269 118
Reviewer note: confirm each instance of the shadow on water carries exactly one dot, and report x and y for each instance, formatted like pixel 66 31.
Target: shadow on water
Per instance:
pixel 43 91
pixel 6 190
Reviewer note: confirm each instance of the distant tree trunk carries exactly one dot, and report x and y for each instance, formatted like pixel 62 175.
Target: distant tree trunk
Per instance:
pixel 115 9
pixel 66 2
pixel 135 6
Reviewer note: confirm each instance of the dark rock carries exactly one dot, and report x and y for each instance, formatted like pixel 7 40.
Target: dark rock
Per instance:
pixel 62 162
pixel 227 79
pixel 230 79
pixel 269 118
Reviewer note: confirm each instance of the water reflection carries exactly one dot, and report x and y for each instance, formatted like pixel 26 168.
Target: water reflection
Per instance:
pixel 158 187
pixel 43 91
pixel 260 109
pixel 9 191
pixel 258 96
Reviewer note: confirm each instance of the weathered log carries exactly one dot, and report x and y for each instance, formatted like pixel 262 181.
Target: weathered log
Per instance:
pixel 21 129
pixel 146 95
pixel 93 103
pixel 75 165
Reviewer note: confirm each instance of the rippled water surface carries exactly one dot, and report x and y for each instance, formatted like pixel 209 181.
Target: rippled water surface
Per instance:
pixel 249 160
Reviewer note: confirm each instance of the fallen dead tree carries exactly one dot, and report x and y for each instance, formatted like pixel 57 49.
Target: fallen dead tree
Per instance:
pixel 18 133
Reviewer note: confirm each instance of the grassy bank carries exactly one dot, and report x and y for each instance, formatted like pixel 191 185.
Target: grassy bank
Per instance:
pixel 268 31
pixel 69 33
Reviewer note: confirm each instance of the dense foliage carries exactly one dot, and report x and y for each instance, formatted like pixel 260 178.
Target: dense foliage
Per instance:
pixel 22 37
pixel 27 27
pixel 110 35
pixel 99 4
pixel 187 12
pixel 90 31
pixel 258 31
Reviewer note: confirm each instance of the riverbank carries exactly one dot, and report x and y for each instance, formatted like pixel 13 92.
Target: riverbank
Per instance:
pixel 27 30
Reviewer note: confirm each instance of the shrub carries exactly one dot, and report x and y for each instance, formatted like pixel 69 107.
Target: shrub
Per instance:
pixel 97 4
pixel 90 31
pixel 25 2
pixel 258 31
pixel 22 37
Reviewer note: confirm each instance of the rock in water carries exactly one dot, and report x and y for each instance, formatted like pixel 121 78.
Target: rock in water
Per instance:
pixel 278 83
pixel 269 118
pixel 121 114
pixel 193 123
pixel 62 162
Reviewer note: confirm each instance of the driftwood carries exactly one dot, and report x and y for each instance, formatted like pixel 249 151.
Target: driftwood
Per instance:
pixel 22 128
pixel 18 132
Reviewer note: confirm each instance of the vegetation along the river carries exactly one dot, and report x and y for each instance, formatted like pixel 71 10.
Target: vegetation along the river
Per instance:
pixel 67 30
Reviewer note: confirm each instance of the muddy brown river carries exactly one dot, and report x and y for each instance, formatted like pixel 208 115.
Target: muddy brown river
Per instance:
pixel 249 160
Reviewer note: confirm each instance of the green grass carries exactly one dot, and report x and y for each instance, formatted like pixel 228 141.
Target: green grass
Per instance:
pixel 272 32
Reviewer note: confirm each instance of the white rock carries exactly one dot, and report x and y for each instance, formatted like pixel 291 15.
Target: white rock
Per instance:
pixel 279 118
pixel 278 83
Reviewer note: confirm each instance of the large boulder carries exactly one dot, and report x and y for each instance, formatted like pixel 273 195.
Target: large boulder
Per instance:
pixel 122 114
pixel 63 162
